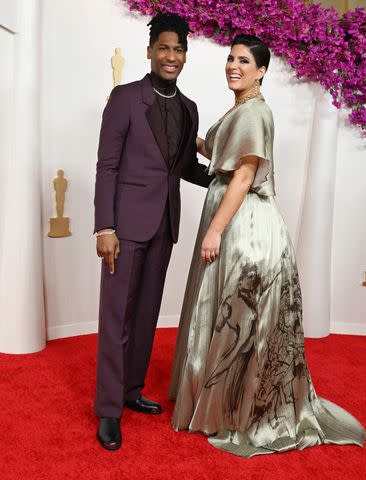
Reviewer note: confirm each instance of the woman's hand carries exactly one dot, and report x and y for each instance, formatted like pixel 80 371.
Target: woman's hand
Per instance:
pixel 210 248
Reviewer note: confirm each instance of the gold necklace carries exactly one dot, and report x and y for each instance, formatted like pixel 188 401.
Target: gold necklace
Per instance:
pixel 240 101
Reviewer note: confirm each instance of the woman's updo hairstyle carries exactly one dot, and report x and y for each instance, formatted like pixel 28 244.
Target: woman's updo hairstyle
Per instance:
pixel 258 49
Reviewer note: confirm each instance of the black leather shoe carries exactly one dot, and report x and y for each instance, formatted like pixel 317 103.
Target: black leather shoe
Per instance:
pixel 109 433
pixel 143 405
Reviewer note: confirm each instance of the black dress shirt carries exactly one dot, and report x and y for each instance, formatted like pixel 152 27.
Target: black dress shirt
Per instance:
pixel 172 113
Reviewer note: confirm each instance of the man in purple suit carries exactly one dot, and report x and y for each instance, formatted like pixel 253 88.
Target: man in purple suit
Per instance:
pixel 147 144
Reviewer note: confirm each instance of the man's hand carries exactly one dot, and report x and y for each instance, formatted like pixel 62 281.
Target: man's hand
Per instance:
pixel 201 147
pixel 108 249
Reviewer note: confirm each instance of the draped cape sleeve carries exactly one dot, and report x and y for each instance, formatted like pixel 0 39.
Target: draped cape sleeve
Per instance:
pixel 246 131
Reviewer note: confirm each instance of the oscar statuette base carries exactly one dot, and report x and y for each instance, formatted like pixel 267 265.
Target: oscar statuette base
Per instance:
pixel 60 227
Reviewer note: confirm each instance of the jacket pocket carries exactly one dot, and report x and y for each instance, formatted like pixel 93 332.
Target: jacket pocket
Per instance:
pixel 135 184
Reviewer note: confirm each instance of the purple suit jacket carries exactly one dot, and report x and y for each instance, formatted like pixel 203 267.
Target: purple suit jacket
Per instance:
pixel 134 177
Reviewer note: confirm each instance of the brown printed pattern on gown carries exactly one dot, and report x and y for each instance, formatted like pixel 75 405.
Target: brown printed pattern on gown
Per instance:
pixel 285 363
pixel 286 358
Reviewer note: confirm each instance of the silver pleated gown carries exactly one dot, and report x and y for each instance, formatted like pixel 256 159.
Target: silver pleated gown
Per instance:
pixel 240 373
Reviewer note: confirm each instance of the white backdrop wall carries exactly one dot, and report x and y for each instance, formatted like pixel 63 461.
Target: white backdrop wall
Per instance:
pixel 348 305
pixel 9 14
pixel 77 45
pixel 22 321
pixel 6 123
pixel 77 78
pixel 78 39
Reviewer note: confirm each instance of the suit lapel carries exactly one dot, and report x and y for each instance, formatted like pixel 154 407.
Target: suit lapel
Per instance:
pixel 188 104
pixel 188 114
pixel 187 125
pixel 154 117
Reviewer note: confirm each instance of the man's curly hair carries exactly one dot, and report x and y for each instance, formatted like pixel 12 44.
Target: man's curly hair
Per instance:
pixel 169 22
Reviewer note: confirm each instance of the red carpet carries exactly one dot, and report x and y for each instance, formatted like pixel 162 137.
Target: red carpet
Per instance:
pixel 47 426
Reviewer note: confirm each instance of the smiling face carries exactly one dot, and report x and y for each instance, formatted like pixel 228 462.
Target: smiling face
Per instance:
pixel 167 56
pixel 241 70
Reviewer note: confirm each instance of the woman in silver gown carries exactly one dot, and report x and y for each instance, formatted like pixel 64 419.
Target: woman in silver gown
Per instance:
pixel 240 375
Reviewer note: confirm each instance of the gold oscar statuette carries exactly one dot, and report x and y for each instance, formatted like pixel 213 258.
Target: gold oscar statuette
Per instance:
pixel 60 225
pixel 117 62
